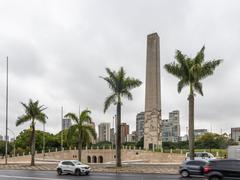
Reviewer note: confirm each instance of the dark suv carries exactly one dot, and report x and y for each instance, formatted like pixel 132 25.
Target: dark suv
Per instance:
pixel 222 169
pixel 192 167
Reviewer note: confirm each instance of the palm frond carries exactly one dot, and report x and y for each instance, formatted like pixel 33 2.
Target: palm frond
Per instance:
pixel 91 131
pixel 127 94
pixel 198 87
pixel 85 117
pixel 200 56
pixel 180 57
pixel 208 68
pixel 22 119
pixel 173 69
pixel 72 130
pixel 111 82
pixel 41 118
pixel 131 83
pixel 181 84
pixel 72 116
pixel 109 100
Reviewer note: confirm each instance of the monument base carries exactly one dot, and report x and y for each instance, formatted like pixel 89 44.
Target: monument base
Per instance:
pixel 152 130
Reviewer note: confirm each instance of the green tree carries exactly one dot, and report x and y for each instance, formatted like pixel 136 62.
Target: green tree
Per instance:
pixel 33 113
pixel 106 144
pixel 208 140
pixel 82 129
pixel 120 86
pixel 140 143
pixel 2 148
pixel 190 72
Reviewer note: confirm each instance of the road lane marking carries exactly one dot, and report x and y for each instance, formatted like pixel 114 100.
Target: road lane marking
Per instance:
pixel 27 177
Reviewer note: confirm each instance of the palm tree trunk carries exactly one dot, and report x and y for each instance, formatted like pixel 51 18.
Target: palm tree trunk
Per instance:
pixel 191 125
pixel 33 146
pixel 79 149
pixel 118 140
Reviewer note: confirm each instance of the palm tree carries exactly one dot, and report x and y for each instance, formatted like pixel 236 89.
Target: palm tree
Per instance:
pixel 82 128
pixel 120 86
pixel 33 113
pixel 190 71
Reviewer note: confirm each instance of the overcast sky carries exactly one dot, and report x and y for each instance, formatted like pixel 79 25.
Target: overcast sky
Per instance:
pixel 58 49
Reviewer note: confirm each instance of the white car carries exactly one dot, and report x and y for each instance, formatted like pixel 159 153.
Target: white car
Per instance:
pixel 200 156
pixel 73 167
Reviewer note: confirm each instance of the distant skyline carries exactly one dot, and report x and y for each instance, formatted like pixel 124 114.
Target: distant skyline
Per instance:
pixel 57 50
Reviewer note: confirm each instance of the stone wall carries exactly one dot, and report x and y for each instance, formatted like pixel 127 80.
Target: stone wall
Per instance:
pixel 105 156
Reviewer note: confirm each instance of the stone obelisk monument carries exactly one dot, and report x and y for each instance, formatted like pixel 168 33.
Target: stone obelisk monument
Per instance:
pixel 152 122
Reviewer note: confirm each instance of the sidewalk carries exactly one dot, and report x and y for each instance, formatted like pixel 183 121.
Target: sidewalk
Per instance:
pixel 103 168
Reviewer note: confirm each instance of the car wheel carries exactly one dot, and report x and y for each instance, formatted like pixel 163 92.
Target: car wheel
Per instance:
pixel 184 173
pixel 78 172
pixel 215 178
pixel 87 173
pixel 59 171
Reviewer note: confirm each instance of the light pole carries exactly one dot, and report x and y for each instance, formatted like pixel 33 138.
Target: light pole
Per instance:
pixel 14 149
pixel 6 140
pixel 62 128
pixel 43 140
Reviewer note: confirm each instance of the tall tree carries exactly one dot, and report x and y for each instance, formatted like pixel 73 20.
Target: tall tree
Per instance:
pixel 190 71
pixel 120 86
pixel 82 129
pixel 33 113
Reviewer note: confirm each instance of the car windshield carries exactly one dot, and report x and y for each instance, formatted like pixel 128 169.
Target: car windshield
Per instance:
pixel 77 162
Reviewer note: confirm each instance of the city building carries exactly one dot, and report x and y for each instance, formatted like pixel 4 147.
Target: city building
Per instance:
pixel 184 138
pixel 93 141
pixel 104 132
pixel 66 123
pixel 112 136
pixel 200 132
pixel 124 132
pixel 166 130
pixel 171 127
pixel 174 118
pixel 132 137
pixel 1 138
pixel 139 125
pixel 235 134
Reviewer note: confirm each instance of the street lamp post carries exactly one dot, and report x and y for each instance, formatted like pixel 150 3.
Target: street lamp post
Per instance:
pixel 6 140
pixel 62 128
pixel 14 148
pixel 43 140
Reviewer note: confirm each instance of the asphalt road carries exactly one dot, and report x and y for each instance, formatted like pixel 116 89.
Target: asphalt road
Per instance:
pixel 50 175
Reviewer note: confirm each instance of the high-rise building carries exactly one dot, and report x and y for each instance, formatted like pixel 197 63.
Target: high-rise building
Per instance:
pixel 93 141
pixel 166 130
pixel 171 127
pixel 132 137
pixel 112 136
pixel 152 122
pixel 66 123
pixel 1 138
pixel 124 132
pixel 139 125
pixel 235 134
pixel 174 118
pixel 104 132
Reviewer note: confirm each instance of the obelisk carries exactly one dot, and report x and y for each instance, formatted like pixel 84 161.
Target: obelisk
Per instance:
pixel 152 121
